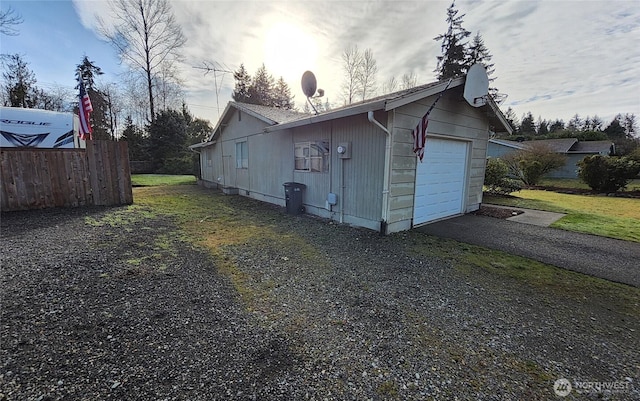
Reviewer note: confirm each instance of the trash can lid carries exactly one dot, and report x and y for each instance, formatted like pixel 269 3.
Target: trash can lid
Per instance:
pixel 294 184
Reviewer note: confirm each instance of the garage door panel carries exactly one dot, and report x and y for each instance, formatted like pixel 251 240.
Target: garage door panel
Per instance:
pixel 440 180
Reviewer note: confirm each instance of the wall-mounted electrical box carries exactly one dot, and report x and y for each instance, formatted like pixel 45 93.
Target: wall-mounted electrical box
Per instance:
pixel 332 199
pixel 344 150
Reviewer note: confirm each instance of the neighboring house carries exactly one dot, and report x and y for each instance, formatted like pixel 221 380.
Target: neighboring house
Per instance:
pixel 573 149
pixel 357 162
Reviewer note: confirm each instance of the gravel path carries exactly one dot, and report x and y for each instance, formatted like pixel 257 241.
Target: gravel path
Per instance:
pixel 607 258
pixel 94 307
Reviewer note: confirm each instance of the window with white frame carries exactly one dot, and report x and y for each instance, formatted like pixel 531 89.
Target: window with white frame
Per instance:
pixel 312 156
pixel 242 155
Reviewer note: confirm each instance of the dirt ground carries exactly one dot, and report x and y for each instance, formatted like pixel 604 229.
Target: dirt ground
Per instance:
pixel 95 307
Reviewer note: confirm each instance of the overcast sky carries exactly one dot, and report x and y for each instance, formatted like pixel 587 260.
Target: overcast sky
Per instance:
pixel 552 58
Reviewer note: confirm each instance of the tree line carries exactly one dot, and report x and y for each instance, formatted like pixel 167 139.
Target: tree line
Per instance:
pixel 622 130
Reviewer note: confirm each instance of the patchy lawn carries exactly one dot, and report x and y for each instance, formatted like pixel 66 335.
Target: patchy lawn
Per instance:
pixel 150 180
pixel 607 216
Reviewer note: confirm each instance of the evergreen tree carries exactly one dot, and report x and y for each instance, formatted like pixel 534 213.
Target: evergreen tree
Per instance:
pixel 575 123
pixel 243 83
pixel 630 126
pixel 19 83
pixel 86 72
pixel 453 62
pixel 615 130
pixel 557 125
pixel 543 127
pixel 137 142
pixel 261 89
pixel 512 119
pixel 168 142
pixel 282 95
pixel 528 126
pixel 479 54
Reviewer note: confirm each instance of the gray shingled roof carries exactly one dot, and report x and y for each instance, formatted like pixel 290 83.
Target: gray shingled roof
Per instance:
pixel 561 145
pixel 603 147
pixel 275 114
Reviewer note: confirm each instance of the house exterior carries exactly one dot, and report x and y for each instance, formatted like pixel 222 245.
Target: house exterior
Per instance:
pixel 357 162
pixel 573 149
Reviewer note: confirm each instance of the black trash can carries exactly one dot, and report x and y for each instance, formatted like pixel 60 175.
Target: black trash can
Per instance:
pixel 293 196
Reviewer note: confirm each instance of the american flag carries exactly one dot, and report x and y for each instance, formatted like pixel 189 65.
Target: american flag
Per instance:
pixel 85 109
pixel 420 131
pixel 420 136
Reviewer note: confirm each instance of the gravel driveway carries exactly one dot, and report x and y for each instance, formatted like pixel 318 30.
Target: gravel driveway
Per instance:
pixel 95 308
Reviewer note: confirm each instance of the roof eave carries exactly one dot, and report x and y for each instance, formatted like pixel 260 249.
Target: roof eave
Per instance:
pixel 201 145
pixel 497 118
pixel 331 115
pixel 421 94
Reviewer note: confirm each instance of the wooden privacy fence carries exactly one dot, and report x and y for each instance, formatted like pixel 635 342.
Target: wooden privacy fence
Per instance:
pixel 40 178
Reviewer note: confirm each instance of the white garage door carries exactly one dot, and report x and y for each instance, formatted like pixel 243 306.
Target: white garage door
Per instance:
pixel 440 180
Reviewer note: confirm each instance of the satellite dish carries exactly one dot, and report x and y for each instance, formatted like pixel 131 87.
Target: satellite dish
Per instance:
pixel 476 87
pixel 309 84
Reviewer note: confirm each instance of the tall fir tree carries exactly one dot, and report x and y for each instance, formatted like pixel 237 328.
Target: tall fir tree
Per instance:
pixel 454 61
pixel 261 89
pixel 527 126
pixel 282 95
pixel 243 83
pixel 19 83
pixel 86 72
pixel 479 54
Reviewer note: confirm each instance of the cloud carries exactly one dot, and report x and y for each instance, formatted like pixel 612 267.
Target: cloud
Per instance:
pixel 553 58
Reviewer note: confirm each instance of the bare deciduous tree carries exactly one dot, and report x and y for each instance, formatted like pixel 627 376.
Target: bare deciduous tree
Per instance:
pixel 367 75
pixel 360 70
pixel 8 21
pixel 146 36
pixel 409 80
pixel 351 63
pixel 390 86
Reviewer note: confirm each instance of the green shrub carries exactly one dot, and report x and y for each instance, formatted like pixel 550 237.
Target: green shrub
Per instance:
pixel 178 165
pixel 496 178
pixel 532 163
pixel 607 173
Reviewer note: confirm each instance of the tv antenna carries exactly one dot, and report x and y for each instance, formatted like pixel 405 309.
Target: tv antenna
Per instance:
pixel 309 87
pixel 216 68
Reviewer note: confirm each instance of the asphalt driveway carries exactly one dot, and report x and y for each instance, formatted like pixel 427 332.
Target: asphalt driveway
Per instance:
pixel 607 258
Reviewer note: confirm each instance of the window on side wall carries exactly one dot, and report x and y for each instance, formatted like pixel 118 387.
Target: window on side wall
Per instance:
pixel 312 156
pixel 242 155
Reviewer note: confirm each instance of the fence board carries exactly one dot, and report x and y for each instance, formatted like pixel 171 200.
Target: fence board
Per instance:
pixel 39 178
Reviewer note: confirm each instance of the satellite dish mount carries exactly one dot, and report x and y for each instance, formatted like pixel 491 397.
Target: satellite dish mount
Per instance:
pixel 476 86
pixel 309 87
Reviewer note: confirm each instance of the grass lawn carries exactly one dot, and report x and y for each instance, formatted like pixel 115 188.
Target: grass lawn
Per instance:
pixel 593 214
pixel 152 180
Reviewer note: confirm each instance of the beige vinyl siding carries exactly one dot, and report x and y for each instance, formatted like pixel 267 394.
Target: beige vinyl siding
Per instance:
pixel 270 165
pixel 452 117
pixel 364 171
pixel 317 183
